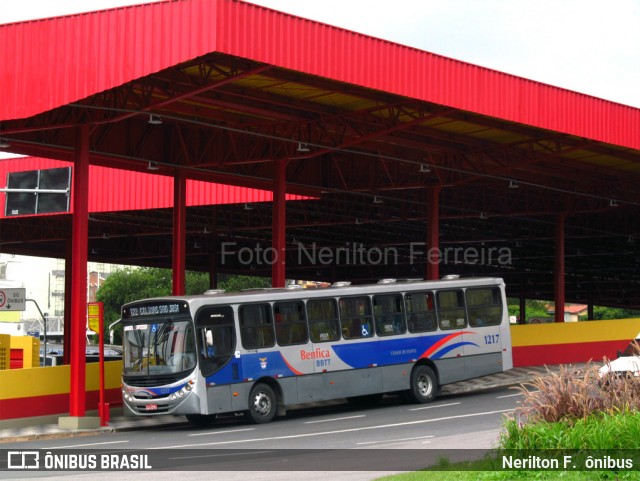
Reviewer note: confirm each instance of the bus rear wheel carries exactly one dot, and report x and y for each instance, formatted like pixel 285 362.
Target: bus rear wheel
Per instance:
pixel 424 385
pixel 262 404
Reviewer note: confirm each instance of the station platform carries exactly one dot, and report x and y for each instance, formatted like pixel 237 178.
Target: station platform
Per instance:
pixel 46 427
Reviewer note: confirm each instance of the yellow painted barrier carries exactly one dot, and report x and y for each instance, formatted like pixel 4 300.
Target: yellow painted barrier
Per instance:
pixel 42 391
pixel 30 347
pixel 45 381
pixel 571 342
pixel 574 332
pixel 5 351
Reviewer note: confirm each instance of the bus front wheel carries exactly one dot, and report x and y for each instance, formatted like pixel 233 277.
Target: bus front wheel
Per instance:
pixel 262 404
pixel 424 385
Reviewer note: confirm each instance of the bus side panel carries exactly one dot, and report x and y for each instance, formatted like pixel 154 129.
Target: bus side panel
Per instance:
pixel 240 402
pixel 311 388
pixel 505 340
pixel 505 336
pixel 396 377
pixel 219 399
pixel 290 388
pixel 483 364
pixel 450 370
pixel 355 382
pixel 482 351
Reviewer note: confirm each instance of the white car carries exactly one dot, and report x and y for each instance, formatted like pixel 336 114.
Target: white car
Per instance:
pixel 624 365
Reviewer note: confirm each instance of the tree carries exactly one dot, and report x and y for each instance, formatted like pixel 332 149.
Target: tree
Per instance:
pixel 600 312
pixel 533 308
pixel 239 283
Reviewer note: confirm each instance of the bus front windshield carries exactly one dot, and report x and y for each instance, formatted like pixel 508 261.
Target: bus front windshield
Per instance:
pixel 159 347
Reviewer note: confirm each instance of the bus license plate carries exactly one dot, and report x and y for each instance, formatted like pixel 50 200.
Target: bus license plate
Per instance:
pixel 152 407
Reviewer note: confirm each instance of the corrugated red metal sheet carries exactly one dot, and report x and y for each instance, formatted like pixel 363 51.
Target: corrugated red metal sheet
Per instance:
pixel 136 190
pixel 51 62
pixel 319 49
pixel 47 63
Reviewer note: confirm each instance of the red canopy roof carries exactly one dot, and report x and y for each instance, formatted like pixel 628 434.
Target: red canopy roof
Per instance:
pixel 52 62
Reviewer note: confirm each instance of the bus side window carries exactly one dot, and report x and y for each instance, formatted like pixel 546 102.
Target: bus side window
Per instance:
pixel 451 309
pixel 291 325
pixel 420 311
pixel 389 314
pixel 355 317
pixel 323 320
pixel 256 326
pixel 485 306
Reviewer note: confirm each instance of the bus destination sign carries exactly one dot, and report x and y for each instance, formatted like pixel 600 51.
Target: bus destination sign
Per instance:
pixel 155 309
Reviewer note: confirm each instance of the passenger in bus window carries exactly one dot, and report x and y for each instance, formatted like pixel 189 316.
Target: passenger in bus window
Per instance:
pixel 479 321
pixel 209 347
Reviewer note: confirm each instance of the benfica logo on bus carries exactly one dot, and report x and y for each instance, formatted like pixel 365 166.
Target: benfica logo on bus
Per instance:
pixel 263 362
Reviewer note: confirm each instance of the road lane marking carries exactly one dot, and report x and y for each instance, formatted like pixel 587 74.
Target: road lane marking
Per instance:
pixel 339 431
pixel 434 406
pixel 225 455
pixel 335 419
pixel 396 440
pixel 86 444
pixel 508 395
pixel 222 432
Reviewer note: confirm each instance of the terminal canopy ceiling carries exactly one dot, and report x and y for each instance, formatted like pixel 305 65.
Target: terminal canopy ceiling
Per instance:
pixel 365 160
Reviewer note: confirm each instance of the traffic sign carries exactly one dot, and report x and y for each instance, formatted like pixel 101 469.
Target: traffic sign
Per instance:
pixel 13 299
pixel 96 315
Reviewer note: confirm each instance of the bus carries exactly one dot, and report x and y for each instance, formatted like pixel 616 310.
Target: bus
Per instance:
pixel 261 350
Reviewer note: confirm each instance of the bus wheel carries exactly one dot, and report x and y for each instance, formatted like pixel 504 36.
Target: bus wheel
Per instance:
pixel 424 385
pixel 201 419
pixel 262 404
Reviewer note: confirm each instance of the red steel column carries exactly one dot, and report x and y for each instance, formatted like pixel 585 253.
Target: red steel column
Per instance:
pixel 179 234
pixel 79 242
pixel 432 250
pixel 559 268
pixel 279 224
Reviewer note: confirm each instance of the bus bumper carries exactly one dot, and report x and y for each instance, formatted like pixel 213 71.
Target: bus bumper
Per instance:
pixel 188 404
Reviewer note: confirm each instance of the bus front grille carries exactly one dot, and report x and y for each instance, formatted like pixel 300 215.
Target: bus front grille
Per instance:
pixel 151 381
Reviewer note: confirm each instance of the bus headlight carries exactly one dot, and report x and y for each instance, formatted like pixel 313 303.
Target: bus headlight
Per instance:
pixel 186 389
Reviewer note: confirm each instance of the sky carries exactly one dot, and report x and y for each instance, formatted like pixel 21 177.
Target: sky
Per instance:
pixel 589 46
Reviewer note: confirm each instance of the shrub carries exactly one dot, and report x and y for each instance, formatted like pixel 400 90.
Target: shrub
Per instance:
pixel 572 395
pixel 572 409
pixel 598 432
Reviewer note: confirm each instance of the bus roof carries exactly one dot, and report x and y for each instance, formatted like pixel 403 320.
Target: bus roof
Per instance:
pixel 337 289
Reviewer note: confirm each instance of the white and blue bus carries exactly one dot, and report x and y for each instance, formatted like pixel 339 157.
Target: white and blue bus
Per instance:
pixel 259 351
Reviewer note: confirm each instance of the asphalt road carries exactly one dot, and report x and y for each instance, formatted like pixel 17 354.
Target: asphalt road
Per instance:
pixel 333 436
